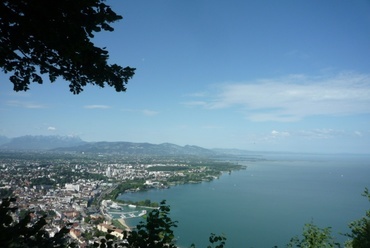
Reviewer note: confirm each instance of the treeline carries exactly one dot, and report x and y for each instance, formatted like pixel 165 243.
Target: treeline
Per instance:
pixel 219 165
pixel 144 203
pixel 67 176
pixel 124 186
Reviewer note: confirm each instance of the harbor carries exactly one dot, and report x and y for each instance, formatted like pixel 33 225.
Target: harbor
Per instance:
pixel 126 213
pixel 123 212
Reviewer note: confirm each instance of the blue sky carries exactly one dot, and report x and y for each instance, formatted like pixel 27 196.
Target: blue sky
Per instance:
pixel 254 75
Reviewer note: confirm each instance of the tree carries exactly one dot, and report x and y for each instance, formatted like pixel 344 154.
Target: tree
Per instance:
pixel 360 236
pixel 314 237
pixel 156 232
pixel 26 234
pixel 54 37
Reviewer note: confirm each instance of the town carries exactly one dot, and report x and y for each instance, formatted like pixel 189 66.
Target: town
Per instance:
pixel 76 188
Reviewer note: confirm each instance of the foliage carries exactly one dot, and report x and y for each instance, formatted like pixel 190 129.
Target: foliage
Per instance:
pixel 42 181
pixel 106 242
pixel 118 224
pixel 27 234
pixel 218 241
pixel 122 187
pixel 156 232
pixel 360 236
pixel 54 37
pixel 314 237
pixel 5 193
pixel 144 203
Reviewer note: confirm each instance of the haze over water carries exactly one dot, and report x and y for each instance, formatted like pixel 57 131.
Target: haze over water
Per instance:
pixel 270 201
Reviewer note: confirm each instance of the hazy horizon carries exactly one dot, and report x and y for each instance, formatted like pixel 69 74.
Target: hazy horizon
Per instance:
pixel 253 152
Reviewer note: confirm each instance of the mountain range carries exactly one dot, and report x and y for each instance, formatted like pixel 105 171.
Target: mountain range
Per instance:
pixel 76 144
pixel 39 142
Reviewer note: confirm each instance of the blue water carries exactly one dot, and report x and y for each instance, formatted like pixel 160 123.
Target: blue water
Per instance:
pixel 269 202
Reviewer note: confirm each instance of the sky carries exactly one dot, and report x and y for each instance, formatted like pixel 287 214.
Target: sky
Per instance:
pixel 252 75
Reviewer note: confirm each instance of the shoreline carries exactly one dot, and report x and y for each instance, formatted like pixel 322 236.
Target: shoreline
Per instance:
pixel 123 223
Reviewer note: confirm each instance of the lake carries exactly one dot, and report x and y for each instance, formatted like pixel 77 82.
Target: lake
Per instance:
pixel 270 201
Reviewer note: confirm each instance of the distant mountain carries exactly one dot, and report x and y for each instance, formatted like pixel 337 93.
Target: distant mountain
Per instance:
pixel 3 140
pixel 33 143
pixel 130 148
pixel 75 144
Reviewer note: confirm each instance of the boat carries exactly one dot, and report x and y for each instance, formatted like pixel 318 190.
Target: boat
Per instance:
pixel 142 213
pixel 115 206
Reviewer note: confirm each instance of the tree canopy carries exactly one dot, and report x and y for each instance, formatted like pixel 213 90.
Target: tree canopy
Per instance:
pixel 360 229
pixel 54 38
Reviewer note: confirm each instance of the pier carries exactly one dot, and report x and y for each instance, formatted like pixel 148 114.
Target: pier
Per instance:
pixel 133 214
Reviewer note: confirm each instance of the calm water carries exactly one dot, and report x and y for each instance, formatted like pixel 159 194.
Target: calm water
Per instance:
pixel 269 202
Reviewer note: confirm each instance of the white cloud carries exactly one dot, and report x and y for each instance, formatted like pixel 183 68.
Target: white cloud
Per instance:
pixel 149 112
pixel 324 133
pixel 21 104
pixel 295 97
pixel 146 112
pixel 52 128
pixel 275 133
pixel 198 94
pixel 358 133
pixel 96 106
